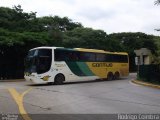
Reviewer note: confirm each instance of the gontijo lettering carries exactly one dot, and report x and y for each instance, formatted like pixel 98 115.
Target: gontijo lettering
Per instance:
pixel 102 64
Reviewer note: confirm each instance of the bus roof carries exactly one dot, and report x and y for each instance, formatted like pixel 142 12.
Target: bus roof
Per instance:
pixel 82 49
pixel 46 47
pixel 100 51
pixel 90 50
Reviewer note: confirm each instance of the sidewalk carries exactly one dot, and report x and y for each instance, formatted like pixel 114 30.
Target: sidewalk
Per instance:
pixel 146 84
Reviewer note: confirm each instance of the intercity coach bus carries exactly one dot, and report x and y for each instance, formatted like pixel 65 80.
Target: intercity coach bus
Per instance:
pixel 58 64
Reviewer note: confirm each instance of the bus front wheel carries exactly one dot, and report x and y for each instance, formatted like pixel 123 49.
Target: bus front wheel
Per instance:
pixel 59 79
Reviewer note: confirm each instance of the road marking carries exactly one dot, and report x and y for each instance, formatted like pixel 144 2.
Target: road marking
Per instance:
pixel 19 100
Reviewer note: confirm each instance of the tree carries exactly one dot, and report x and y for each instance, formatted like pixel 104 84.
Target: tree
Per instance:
pixel 157 2
pixel 86 38
pixel 132 41
pixel 15 19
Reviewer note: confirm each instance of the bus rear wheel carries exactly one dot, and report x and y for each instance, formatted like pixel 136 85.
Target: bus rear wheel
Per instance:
pixel 110 76
pixel 116 75
pixel 59 79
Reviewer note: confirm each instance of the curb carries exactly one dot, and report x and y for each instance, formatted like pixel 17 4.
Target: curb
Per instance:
pixel 14 80
pixel 145 84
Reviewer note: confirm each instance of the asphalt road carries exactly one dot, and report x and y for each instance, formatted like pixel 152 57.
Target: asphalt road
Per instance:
pixel 91 97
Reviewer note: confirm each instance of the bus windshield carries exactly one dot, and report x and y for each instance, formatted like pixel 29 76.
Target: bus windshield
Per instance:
pixel 38 61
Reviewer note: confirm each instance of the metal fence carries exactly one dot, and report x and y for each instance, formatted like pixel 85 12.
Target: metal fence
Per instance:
pixel 11 63
pixel 11 71
pixel 149 73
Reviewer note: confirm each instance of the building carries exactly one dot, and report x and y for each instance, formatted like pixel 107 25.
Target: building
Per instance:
pixel 144 56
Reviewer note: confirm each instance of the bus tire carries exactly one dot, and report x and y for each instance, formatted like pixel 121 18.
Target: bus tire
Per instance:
pixel 59 78
pixel 110 76
pixel 116 76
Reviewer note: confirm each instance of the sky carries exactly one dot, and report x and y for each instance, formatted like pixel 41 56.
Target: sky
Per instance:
pixel 112 16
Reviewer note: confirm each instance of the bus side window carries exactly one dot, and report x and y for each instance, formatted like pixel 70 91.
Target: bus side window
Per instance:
pixel 80 56
pixel 72 56
pixel 109 58
pixel 59 55
pixel 91 57
pixel 100 57
pixel 75 56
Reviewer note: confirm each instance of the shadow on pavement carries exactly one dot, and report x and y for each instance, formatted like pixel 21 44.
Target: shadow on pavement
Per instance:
pixel 75 82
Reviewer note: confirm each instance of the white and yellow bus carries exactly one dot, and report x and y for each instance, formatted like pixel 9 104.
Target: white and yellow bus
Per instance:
pixel 58 65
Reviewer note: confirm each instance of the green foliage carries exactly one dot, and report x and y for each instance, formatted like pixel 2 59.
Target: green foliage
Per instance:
pixel 156 57
pixel 9 38
pixel 86 38
pixel 18 27
pixel 15 19
pixel 157 42
pixel 132 41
